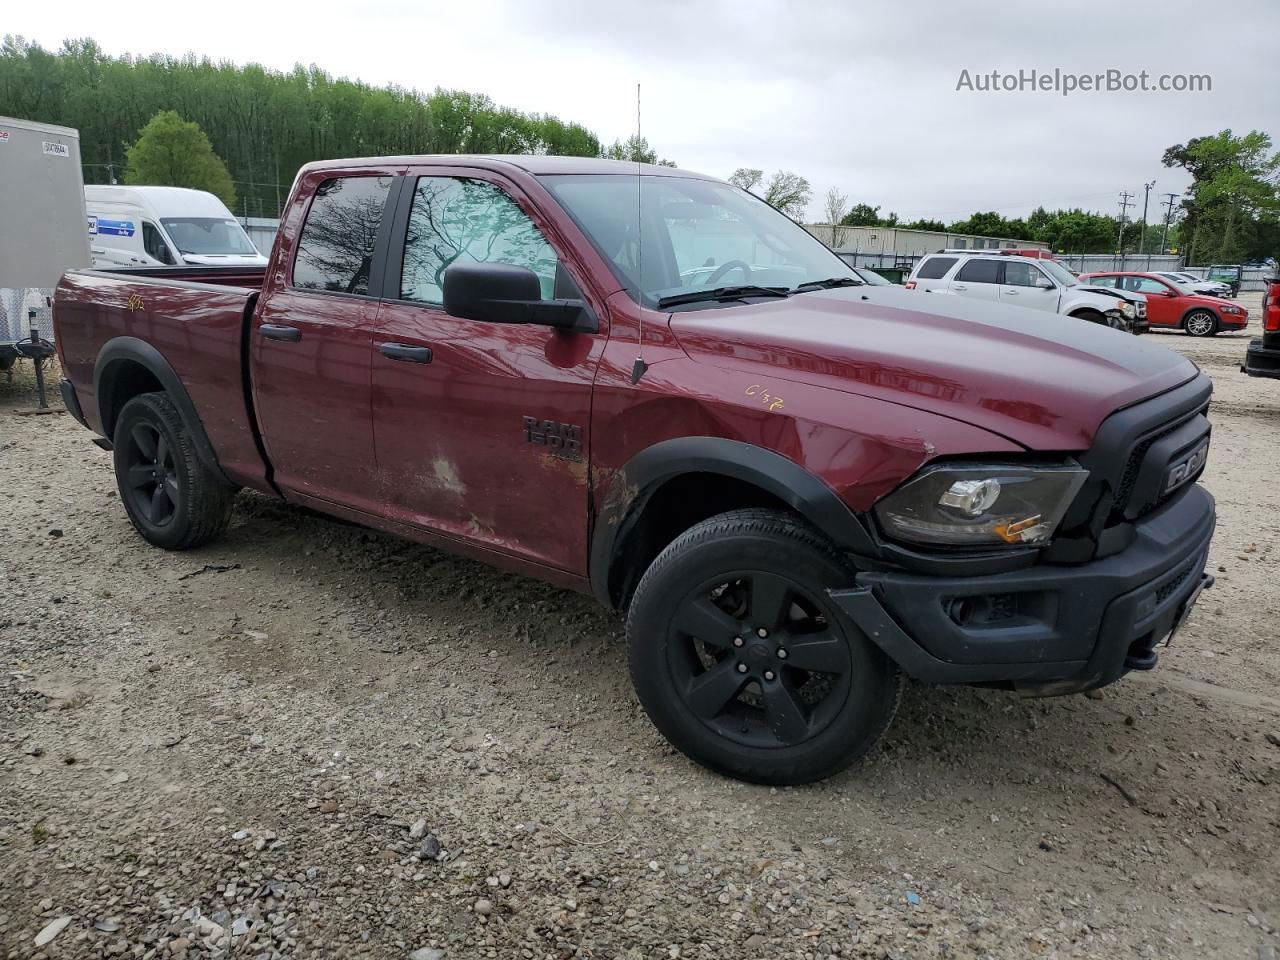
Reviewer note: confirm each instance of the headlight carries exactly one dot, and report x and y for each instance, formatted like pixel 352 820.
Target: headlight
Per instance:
pixel 980 505
pixel 1231 309
pixel 1127 309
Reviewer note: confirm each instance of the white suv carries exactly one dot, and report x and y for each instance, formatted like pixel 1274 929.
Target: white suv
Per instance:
pixel 1026 282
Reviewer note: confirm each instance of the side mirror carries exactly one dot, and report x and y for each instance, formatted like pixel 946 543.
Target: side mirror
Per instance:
pixel 1170 293
pixel 1044 283
pixel 506 293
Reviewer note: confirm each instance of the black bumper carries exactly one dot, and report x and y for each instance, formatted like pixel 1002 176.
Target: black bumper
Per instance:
pixel 1049 628
pixel 1263 357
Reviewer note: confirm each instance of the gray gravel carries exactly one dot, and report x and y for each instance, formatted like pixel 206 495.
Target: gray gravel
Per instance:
pixel 310 740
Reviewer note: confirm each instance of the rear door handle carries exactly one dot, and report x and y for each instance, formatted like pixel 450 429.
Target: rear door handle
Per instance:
pixel 403 351
pixel 276 331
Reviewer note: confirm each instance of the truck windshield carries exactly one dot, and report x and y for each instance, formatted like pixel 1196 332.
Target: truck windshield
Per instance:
pixel 208 236
pixel 697 235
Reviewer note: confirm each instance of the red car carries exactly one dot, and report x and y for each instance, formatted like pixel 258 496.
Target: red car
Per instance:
pixel 797 486
pixel 1169 305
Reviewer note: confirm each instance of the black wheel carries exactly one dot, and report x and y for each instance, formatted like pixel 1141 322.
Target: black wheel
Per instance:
pixel 1200 323
pixel 172 499
pixel 743 662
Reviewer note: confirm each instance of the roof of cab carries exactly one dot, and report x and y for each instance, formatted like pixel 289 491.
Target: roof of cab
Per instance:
pixel 538 165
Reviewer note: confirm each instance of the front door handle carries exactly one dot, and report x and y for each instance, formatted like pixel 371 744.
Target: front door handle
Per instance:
pixel 403 351
pixel 277 331
pixel 958 286
pixel 1011 293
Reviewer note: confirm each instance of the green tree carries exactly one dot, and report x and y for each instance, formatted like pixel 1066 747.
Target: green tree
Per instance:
pixel 1233 204
pixel 636 149
pixel 789 192
pixel 263 124
pixel 172 152
pixel 748 178
pixel 862 215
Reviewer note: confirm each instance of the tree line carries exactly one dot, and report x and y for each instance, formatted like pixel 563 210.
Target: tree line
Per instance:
pixel 1230 213
pixel 262 123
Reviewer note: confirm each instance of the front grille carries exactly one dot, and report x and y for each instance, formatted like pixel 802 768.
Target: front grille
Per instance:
pixel 1133 467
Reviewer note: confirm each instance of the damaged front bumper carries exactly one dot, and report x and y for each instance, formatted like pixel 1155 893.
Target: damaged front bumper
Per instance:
pixel 1047 629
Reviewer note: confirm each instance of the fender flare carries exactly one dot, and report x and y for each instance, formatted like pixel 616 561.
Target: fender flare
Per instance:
pixel 133 350
pixel 649 469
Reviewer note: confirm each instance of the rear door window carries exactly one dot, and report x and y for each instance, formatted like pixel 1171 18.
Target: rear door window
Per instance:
pixel 1102 282
pixel 935 268
pixel 980 271
pixel 335 251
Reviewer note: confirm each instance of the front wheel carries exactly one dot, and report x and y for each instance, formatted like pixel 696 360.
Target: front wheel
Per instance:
pixel 172 498
pixel 742 660
pixel 1200 323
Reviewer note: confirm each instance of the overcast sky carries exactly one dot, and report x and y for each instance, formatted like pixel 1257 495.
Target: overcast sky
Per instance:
pixel 858 95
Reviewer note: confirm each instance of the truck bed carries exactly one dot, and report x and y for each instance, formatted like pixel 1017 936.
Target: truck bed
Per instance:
pixel 195 318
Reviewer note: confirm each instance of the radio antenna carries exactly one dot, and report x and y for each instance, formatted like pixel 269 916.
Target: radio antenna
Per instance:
pixel 639 367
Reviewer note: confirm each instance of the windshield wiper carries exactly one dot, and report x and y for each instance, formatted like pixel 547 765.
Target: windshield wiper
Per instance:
pixel 722 293
pixel 828 284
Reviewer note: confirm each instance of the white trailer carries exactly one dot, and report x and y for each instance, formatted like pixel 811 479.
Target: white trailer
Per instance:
pixel 43 230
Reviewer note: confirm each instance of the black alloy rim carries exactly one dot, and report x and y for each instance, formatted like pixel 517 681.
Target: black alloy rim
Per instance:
pixel 759 659
pixel 151 479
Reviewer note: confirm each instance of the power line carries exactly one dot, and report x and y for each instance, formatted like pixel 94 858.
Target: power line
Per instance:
pixel 1168 217
pixel 1125 204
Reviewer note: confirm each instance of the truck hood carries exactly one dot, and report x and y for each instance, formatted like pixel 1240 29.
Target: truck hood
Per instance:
pixel 1042 380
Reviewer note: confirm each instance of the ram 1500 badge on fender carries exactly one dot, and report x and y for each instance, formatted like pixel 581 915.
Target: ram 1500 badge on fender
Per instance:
pixel 795 486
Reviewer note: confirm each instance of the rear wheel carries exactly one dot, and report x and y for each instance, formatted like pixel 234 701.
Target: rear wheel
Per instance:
pixel 171 498
pixel 1200 323
pixel 745 664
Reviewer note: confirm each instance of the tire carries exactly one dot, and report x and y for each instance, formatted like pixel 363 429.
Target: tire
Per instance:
pixel 1200 323
pixel 777 722
pixel 172 499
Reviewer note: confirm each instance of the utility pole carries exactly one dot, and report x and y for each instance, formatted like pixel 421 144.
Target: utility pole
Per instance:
pixel 1125 204
pixel 1168 217
pixel 1146 193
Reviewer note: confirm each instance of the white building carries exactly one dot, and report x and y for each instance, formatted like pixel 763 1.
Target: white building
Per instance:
pixel 888 244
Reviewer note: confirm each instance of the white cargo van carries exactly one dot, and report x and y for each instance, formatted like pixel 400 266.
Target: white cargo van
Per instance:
pixel 153 226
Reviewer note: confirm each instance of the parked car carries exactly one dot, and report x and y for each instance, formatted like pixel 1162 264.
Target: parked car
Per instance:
pixel 1229 273
pixel 1171 305
pixel 158 226
pixel 1039 284
pixel 796 487
pixel 1210 288
pixel 1263 356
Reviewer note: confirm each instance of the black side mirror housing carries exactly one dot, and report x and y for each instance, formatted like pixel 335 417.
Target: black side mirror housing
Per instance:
pixel 506 293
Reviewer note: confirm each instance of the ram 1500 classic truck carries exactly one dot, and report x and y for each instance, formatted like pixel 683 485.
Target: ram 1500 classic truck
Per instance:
pixel 650 385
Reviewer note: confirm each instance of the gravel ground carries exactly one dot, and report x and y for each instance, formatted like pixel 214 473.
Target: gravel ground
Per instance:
pixel 313 740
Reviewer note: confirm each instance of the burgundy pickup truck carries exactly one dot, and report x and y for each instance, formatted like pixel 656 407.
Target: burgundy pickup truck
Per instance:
pixel 650 385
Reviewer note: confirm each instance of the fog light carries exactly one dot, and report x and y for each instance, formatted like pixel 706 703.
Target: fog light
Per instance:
pixel 971 497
